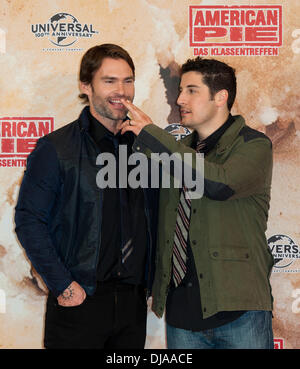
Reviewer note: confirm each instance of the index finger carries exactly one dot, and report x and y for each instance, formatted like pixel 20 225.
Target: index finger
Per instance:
pixel 130 106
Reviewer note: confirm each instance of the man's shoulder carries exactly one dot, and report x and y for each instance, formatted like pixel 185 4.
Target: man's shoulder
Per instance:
pixel 69 134
pixel 55 145
pixel 64 131
pixel 245 131
pixel 65 140
pixel 249 134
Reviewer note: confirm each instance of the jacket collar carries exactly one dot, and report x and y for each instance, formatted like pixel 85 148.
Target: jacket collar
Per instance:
pixel 230 134
pixel 226 139
pixel 84 121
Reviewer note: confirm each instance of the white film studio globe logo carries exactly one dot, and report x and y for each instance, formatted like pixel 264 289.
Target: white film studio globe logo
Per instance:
pixel 63 30
pixel 178 130
pixel 285 251
pixel 62 36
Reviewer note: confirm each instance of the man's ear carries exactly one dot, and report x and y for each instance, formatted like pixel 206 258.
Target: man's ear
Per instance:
pixel 85 88
pixel 221 97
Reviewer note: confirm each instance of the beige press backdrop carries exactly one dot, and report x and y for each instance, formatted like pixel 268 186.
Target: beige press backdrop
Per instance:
pixel 39 88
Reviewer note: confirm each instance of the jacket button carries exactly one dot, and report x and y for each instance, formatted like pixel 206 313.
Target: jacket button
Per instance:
pixel 215 254
pixel 168 241
pixel 194 242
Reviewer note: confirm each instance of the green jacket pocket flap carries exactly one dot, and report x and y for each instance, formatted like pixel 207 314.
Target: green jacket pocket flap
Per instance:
pixel 230 253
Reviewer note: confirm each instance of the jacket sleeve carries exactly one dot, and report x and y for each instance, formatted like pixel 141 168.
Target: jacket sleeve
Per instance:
pixel 38 194
pixel 246 172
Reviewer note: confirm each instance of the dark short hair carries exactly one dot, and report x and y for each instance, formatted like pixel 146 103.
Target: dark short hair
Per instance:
pixel 93 58
pixel 216 76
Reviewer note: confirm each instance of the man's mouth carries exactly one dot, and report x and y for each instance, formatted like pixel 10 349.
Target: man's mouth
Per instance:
pixel 184 112
pixel 116 103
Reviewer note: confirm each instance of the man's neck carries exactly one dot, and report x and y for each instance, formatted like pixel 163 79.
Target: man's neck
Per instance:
pixel 206 129
pixel 112 125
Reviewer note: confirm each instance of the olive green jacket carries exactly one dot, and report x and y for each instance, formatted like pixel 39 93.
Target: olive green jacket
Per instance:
pixel 228 223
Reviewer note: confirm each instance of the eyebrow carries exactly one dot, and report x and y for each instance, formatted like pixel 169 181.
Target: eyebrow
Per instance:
pixel 115 78
pixel 190 86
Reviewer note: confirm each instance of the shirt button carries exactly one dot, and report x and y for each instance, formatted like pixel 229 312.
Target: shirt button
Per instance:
pixel 138 148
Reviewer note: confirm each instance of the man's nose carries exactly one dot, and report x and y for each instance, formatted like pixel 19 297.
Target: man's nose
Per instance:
pixel 180 99
pixel 121 89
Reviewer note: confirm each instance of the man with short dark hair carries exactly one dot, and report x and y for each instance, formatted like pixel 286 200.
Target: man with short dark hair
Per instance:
pixel 213 261
pixel 92 246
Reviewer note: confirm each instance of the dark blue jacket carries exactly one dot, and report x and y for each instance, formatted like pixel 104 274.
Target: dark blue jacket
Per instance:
pixel 59 209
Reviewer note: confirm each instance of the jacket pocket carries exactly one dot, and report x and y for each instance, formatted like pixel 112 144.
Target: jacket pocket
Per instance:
pixel 230 252
pixel 234 278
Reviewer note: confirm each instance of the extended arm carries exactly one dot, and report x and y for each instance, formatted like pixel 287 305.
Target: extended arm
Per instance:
pixel 39 194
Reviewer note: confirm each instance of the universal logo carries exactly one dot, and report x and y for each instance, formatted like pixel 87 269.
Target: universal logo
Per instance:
pixel 63 30
pixel 177 130
pixel 285 253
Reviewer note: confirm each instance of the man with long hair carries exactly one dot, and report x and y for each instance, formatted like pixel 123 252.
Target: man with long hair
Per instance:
pixel 92 246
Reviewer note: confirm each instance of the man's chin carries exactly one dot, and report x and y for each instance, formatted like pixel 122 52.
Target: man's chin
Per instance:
pixel 185 123
pixel 121 116
pixel 115 116
pixel 119 113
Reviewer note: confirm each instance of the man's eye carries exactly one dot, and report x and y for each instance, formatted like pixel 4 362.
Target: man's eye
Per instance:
pixel 191 91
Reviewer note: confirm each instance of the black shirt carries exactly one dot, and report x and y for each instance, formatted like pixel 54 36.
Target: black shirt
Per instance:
pixel 110 266
pixel 183 307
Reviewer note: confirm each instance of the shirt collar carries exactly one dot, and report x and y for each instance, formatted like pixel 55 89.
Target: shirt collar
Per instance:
pixel 99 132
pixel 210 141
